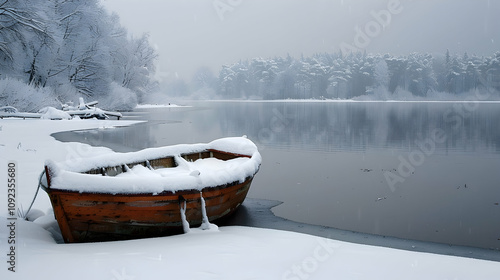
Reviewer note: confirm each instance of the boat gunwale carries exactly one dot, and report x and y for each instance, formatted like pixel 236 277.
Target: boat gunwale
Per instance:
pixel 50 190
pixel 235 155
pixel 47 188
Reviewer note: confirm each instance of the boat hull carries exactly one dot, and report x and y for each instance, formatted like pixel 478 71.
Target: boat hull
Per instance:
pixel 95 217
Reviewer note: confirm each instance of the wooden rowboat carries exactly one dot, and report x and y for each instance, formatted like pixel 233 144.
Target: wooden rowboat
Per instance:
pixel 143 194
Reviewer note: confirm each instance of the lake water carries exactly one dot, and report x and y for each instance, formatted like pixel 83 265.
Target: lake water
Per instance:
pixel 424 171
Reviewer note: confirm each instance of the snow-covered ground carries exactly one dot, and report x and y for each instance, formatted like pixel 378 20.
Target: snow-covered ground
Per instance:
pixel 148 106
pixel 360 100
pixel 223 253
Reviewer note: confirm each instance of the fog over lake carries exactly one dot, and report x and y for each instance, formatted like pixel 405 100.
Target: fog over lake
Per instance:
pixel 191 34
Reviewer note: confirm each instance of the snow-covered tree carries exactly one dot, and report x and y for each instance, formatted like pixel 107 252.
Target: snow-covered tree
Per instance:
pixel 337 76
pixel 24 39
pixel 493 71
pixel 60 43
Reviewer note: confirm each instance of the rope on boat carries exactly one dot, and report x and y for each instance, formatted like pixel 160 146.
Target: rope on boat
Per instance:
pixel 36 193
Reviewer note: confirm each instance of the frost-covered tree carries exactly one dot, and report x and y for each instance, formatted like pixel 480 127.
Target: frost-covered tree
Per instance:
pixel 23 39
pixel 303 81
pixel 492 71
pixel 338 76
pixel 261 75
pixel 319 75
pixel 77 44
pixel 226 77
pixel 471 79
pixel 419 74
pixel 83 57
pixel 204 78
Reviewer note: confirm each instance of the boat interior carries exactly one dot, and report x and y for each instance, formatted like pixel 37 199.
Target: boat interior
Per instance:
pixel 164 162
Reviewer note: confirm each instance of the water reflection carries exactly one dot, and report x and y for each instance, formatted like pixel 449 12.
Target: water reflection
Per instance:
pixel 315 126
pixel 361 126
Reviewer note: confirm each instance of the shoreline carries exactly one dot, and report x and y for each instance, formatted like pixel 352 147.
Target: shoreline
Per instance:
pixel 334 101
pixel 259 214
pixel 276 252
pixel 255 212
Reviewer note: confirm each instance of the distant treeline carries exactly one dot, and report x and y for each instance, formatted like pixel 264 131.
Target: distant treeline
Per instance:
pixel 352 75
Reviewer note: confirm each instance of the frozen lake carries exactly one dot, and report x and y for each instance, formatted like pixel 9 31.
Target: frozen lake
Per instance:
pixel 424 171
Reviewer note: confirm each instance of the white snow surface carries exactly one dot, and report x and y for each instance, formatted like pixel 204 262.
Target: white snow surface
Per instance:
pixel 217 253
pixel 51 113
pixel 151 106
pixel 209 172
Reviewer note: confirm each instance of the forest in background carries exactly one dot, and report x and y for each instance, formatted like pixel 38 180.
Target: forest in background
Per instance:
pixel 55 51
pixel 352 76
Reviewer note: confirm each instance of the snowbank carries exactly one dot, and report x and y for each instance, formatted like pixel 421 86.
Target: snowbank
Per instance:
pixel 51 113
pixel 27 98
pixel 119 98
pixel 230 253
pixel 24 97
pixel 152 106
pixel 226 253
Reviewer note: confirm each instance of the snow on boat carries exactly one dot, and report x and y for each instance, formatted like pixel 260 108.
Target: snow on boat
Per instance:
pixel 122 196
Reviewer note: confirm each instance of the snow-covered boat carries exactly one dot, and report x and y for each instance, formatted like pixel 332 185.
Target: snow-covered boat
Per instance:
pixel 147 193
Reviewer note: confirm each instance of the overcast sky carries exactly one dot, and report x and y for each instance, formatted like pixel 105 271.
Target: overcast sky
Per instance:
pixel 193 33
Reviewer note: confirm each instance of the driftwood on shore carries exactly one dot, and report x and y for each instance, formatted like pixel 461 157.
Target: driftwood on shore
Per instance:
pixel 83 111
pixel 11 112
